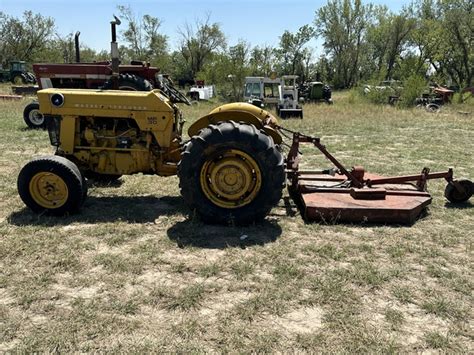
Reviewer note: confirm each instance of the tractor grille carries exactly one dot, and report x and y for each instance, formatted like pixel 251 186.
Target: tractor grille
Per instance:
pixel 53 125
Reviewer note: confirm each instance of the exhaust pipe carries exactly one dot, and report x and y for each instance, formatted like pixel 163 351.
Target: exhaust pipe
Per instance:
pixel 76 42
pixel 114 53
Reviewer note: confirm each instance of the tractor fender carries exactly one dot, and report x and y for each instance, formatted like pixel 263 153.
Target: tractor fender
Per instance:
pixel 239 112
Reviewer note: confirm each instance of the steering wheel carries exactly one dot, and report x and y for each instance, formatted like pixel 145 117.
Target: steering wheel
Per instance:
pixel 175 95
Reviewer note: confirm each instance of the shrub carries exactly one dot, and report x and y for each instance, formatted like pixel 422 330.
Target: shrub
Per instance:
pixel 412 88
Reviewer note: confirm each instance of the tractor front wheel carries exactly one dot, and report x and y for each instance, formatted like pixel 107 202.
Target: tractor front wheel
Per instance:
pixel 231 173
pixel 53 185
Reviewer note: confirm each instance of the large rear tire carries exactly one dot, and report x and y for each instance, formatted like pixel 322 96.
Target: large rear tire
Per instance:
pixel 129 82
pixel 231 173
pixel 51 184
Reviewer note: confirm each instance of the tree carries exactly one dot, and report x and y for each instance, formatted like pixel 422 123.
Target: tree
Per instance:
pixel 292 53
pixel 343 25
pixel 387 38
pixel 142 38
pixel 262 60
pixel 444 37
pixel 24 39
pixel 199 43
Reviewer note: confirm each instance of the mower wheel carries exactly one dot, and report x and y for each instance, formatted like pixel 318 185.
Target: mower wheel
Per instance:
pixel 51 184
pixel 456 196
pixel 231 173
pixel 129 82
pixel 33 117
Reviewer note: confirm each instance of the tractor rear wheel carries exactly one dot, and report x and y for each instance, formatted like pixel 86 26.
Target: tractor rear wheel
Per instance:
pixel 32 116
pixel 18 79
pixel 51 184
pixel 231 173
pixel 129 82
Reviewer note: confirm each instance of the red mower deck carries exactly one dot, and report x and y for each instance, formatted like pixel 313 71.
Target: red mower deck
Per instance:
pixel 354 196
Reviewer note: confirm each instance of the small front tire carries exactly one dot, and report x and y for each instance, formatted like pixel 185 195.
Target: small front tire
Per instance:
pixel 51 184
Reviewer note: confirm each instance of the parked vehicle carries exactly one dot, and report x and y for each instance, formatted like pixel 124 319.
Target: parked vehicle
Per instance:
pixel 279 92
pixel 200 91
pixel 17 73
pixel 315 91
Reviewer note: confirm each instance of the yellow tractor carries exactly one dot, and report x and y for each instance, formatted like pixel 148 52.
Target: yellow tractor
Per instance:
pixel 230 171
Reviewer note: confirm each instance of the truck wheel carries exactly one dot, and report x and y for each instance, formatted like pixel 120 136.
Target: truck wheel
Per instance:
pixel 51 184
pixel 129 82
pixel 455 196
pixel 231 173
pixel 32 116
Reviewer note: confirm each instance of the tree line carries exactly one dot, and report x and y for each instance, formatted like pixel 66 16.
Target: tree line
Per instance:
pixel 361 43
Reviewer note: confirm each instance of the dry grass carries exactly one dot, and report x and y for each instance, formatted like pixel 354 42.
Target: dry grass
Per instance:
pixel 135 272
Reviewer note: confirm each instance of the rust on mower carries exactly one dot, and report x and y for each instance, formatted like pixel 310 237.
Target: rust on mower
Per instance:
pixel 355 196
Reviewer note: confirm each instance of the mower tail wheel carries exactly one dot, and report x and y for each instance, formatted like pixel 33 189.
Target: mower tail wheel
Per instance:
pixel 455 195
pixel 51 184
pixel 231 173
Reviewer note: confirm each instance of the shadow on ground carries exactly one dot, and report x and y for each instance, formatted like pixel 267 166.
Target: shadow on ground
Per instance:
pixel 459 206
pixel 132 209
pixel 146 209
pixel 199 235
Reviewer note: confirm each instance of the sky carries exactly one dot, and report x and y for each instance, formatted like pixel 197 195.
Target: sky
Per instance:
pixel 258 22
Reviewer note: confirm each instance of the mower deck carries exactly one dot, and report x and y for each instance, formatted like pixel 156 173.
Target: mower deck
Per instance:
pixel 394 204
pixel 352 195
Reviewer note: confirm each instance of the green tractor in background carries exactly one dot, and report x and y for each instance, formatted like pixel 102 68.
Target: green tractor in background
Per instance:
pixel 315 91
pixel 17 74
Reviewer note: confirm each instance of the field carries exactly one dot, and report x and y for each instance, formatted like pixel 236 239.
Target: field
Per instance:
pixel 136 271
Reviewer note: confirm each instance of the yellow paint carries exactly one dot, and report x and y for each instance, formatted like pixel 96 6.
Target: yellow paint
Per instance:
pixel 48 190
pixel 232 180
pixel 239 112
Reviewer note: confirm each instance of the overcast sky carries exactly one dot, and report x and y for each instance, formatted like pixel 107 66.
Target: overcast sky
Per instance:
pixel 255 21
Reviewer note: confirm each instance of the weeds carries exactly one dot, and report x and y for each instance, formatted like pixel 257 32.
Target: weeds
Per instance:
pixel 135 272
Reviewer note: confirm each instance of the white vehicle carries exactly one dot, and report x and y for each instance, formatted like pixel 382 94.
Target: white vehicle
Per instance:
pixel 280 92
pixel 288 102
pixel 200 91
pixel 262 91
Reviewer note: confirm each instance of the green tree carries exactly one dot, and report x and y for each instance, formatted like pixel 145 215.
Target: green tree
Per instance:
pixel 387 38
pixel 199 42
pixel 292 54
pixel 444 37
pixel 343 25
pixel 142 38
pixel 26 38
pixel 262 60
pixel 228 70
